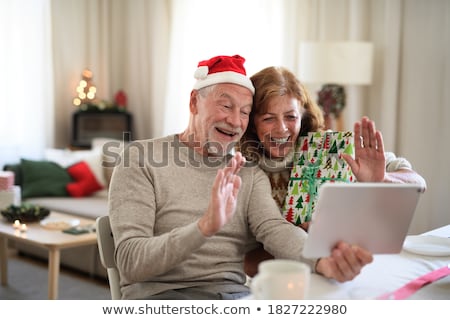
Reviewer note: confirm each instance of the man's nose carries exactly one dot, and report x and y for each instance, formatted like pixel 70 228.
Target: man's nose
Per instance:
pixel 234 118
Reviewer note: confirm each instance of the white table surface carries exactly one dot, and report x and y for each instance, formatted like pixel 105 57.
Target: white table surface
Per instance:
pixel 388 273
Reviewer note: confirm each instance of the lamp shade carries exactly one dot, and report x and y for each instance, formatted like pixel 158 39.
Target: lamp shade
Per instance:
pixel 336 62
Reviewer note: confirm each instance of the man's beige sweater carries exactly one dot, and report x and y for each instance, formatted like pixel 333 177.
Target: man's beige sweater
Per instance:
pixel 158 192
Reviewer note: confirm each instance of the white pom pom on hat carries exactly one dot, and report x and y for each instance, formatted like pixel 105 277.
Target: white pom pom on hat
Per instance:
pixel 222 69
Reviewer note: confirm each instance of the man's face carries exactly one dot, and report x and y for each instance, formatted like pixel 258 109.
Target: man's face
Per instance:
pixel 221 115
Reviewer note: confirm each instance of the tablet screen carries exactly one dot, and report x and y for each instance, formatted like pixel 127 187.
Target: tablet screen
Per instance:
pixel 375 216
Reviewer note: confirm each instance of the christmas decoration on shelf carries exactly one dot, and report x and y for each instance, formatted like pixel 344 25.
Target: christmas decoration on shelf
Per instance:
pixel 120 99
pixel 86 90
pixel 86 99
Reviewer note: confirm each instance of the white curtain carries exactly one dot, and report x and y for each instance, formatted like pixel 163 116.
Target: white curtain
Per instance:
pixel 422 130
pixel 26 81
pixel 205 28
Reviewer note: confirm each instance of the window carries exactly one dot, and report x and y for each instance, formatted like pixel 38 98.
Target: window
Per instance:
pixel 250 28
pixel 26 83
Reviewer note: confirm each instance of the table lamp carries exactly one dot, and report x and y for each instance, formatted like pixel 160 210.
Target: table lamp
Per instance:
pixel 334 65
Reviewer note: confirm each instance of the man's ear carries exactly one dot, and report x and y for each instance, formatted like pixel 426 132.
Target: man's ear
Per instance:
pixel 193 102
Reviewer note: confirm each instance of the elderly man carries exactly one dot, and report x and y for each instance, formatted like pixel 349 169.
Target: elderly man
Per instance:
pixel 184 211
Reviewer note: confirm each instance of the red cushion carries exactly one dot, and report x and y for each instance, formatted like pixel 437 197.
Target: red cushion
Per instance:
pixel 85 181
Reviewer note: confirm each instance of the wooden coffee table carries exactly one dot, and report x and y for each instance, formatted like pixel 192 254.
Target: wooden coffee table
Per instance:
pixel 52 240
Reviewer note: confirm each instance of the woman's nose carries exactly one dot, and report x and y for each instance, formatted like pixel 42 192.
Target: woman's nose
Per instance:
pixel 281 126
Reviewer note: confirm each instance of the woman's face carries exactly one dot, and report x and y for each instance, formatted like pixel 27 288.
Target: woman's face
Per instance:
pixel 279 127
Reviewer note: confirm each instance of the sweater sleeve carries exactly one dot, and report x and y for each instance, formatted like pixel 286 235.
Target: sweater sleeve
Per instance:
pixel 394 163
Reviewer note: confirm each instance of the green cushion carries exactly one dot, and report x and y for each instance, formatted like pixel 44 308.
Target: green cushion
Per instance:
pixel 43 179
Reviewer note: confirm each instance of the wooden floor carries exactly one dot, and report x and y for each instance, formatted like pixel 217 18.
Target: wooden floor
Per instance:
pixel 28 276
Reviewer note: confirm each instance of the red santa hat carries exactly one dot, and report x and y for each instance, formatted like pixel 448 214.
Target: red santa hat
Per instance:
pixel 222 69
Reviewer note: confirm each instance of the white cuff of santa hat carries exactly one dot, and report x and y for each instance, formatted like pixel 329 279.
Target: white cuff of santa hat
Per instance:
pixel 222 69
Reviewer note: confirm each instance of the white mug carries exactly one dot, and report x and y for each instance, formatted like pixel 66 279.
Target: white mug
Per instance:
pixel 280 279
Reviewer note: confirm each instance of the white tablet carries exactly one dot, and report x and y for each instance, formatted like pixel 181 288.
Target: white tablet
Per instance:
pixel 375 216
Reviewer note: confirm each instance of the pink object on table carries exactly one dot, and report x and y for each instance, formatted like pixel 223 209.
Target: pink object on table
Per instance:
pixel 6 180
pixel 414 285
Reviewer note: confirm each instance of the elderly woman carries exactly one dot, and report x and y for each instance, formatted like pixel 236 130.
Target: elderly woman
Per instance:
pixel 283 112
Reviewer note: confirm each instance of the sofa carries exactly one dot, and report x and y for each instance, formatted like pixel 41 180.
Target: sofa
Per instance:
pixel 69 181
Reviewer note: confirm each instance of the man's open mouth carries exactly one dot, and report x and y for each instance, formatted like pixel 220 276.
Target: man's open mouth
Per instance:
pixel 227 132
